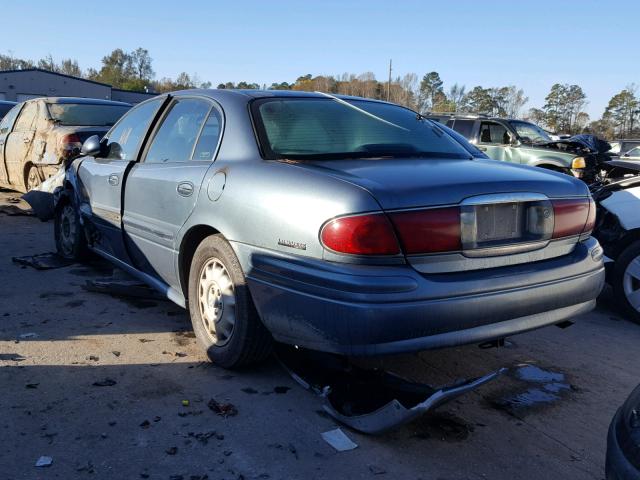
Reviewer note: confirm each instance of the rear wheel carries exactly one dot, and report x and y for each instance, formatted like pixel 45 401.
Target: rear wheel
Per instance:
pixel 626 281
pixel 222 312
pixel 32 178
pixel 71 242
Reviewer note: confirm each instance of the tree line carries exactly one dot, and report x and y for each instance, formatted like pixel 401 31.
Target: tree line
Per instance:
pixel 562 112
pixel 120 69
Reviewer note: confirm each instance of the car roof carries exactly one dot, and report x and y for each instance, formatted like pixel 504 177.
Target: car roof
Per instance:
pixel 80 100
pixel 250 94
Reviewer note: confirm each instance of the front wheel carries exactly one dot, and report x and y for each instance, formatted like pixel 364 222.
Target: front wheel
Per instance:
pixel 626 281
pixel 69 234
pixel 32 178
pixel 222 312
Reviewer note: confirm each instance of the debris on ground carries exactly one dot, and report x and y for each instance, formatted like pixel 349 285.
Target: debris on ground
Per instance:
pixel 339 440
pixel 376 470
pixel 43 261
pixel 14 211
pixel 25 336
pixel 32 385
pixel 145 424
pixel 89 468
pixel 116 353
pixel 185 403
pixel 107 382
pixel 122 288
pixel 222 409
pixel 171 450
pixel 368 400
pixel 44 461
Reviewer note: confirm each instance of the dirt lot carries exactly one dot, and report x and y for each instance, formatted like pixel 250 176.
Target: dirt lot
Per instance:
pixel 57 340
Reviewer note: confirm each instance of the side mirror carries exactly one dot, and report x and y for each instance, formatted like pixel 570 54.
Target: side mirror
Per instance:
pixel 91 146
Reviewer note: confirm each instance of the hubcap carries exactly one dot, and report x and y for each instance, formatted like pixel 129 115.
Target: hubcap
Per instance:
pixel 631 283
pixel 33 180
pixel 217 300
pixel 67 229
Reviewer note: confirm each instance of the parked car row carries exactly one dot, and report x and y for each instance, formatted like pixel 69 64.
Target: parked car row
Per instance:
pixel 522 142
pixel 39 135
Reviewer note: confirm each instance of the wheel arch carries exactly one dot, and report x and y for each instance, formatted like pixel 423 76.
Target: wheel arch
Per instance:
pixel 188 245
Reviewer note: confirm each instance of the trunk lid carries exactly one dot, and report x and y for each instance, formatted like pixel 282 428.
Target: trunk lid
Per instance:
pixel 409 183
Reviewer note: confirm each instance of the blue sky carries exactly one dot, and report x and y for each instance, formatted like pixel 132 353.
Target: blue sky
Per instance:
pixel 530 44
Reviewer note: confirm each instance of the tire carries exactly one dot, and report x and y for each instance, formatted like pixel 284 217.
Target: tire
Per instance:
pixel 222 312
pixel 32 178
pixel 626 282
pixel 71 242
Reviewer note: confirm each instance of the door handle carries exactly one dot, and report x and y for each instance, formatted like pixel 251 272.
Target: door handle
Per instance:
pixel 114 179
pixel 26 139
pixel 185 189
pixel 482 149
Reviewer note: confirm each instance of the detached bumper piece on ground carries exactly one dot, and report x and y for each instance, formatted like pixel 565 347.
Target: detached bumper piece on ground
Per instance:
pixel 370 401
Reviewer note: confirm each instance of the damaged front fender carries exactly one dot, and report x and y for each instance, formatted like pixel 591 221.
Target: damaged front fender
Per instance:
pixel 45 198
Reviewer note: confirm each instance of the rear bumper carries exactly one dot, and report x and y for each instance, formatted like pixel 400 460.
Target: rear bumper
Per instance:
pixel 371 310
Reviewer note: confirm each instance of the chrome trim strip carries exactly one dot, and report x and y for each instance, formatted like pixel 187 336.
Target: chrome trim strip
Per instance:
pixel 493 198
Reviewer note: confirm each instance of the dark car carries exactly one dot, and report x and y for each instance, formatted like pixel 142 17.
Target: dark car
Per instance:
pixel 522 142
pixel 5 106
pixel 39 135
pixel 338 224
pixel 623 441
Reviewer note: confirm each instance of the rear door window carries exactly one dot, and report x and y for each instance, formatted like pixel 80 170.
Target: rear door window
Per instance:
pixel 175 139
pixel 124 139
pixel 464 127
pixel 7 121
pixel 209 138
pixel 27 119
pixel 494 133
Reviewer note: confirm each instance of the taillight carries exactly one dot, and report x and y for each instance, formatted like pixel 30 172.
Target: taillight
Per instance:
pixel 573 216
pixel 69 144
pixel 361 235
pixel 428 231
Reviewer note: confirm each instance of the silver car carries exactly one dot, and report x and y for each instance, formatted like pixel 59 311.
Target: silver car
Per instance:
pixel 339 224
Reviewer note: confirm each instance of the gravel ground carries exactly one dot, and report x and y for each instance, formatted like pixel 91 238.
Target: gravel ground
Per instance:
pixel 547 418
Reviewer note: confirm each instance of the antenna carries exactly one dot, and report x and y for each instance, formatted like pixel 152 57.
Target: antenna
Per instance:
pixel 389 82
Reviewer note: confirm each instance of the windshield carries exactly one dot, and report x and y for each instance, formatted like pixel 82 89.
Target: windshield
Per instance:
pixel 530 131
pixel 333 128
pixel 81 114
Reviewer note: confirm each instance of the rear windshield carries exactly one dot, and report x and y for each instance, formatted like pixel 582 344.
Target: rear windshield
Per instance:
pixel 86 114
pixel 333 128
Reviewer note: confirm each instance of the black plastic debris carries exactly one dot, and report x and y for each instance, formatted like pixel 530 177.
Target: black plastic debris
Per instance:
pixel 15 211
pixel 370 401
pixel 43 261
pixel 222 409
pixel 122 288
pixel 42 204
pixel 107 382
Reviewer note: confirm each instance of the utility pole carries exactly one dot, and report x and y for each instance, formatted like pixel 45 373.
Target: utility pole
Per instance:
pixel 389 83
